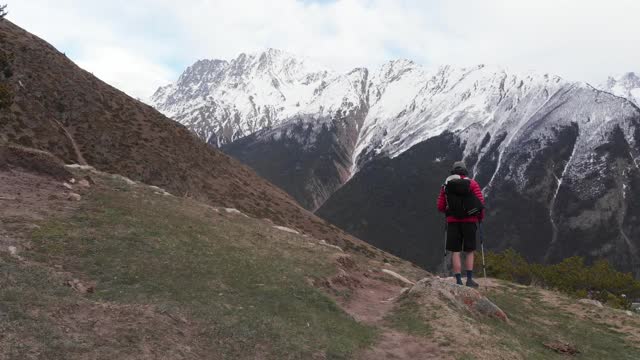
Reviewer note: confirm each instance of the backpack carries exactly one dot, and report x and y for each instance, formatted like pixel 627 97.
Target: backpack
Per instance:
pixel 461 201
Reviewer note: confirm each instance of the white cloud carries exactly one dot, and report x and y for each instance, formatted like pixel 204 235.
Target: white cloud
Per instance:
pixel 125 70
pixel 579 39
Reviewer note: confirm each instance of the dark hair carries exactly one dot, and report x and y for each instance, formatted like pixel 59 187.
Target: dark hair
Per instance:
pixel 459 171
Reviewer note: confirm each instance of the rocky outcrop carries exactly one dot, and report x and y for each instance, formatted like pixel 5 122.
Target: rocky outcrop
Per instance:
pixel 462 298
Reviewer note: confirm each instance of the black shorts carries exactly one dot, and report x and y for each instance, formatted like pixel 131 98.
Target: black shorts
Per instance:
pixel 461 236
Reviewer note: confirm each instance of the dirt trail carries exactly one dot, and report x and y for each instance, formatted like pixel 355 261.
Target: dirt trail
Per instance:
pixel 76 149
pixel 370 303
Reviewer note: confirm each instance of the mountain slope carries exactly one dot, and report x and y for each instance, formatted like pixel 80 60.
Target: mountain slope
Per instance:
pixel 559 184
pixel 319 113
pixel 126 271
pixel 309 155
pixel 626 85
pixel 63 109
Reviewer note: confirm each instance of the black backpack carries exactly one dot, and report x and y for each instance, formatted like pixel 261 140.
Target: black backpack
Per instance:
pixel 461 201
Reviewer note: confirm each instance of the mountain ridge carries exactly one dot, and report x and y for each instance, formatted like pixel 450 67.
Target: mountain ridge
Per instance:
pixel 566 151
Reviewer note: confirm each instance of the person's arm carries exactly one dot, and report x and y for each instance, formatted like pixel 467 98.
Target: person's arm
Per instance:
pixel 477 191
pixel 442 201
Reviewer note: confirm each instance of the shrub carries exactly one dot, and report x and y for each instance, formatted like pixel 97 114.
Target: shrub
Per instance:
pixel 598 281
pixel 6 97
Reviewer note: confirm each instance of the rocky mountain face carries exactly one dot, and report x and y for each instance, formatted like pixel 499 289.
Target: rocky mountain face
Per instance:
pixel 223 101
pixel 558 185
pixel 557 160
pixel 626 85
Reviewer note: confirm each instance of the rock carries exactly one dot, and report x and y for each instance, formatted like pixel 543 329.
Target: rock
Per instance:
pixel 13 251
pixel 461 297
pixel 635 306
pixel 562 347
pixel 5 197
pixel 84 183
pixel 127 181
pixel 324 243
pixel 346 262
pixel 72 180
pixel 286 229
pixel 628 313
pixel 591 302
pixel 344 280
pixel 78 286
pixel 67 185
pixel 80 167
pixel 398 277
pixel 234 211
pixel 74 197
pixel 159 191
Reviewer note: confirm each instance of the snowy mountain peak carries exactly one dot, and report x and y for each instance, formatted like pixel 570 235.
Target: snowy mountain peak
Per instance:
pixel 201 70
pixel 626 85
pixel 276 63
pixel 222 101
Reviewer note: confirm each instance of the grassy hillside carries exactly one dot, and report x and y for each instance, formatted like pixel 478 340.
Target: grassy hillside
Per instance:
pixel 65 110
pixel 130 272
pixel 236 285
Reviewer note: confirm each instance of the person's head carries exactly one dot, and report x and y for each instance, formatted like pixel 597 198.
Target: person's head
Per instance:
pixel 459 168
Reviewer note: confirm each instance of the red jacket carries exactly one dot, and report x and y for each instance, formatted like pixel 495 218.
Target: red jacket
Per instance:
pixel 442 204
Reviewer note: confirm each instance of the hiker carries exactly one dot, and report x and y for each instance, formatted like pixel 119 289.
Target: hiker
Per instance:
pixel 462 201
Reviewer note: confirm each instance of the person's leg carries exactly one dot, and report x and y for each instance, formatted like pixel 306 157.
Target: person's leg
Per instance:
pixel 457 266
pixel 469 233
pixel 454 245
pixel 468 260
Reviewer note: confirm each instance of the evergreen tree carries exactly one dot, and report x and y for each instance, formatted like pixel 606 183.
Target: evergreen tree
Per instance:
pixel 3 11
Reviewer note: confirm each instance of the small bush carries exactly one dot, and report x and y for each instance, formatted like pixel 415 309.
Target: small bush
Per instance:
pixel 599 281
pixel 6 97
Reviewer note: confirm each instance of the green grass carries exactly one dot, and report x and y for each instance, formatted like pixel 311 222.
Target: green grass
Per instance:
pixel 408 318
pixel 535 323
pixel 244 283
pixel 22 289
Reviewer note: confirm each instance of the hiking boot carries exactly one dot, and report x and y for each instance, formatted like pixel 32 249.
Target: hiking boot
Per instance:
pixel 473 284
pixel 458 277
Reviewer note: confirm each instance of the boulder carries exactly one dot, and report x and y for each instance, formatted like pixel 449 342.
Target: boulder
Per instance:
pixel 461 297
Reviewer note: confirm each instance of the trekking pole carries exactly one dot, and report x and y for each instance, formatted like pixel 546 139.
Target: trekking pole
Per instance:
pixel 484 268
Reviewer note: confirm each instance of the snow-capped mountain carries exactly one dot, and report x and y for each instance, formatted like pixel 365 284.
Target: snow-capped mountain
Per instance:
pixel 368 149
pixel 222 101
pixel 627 86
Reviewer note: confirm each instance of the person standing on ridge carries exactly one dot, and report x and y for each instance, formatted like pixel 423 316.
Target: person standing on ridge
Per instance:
pixel 462 201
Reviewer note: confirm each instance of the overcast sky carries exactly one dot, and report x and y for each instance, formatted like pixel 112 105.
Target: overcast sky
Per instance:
pixel 139 45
